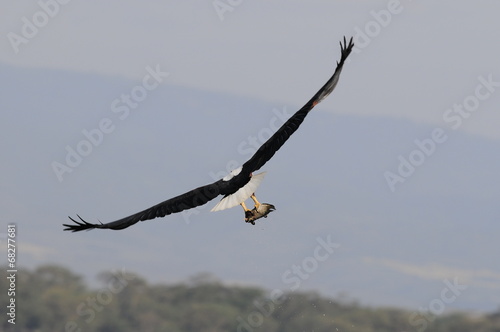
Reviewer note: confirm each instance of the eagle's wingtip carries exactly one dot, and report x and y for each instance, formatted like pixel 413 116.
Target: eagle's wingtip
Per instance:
pixel 79 225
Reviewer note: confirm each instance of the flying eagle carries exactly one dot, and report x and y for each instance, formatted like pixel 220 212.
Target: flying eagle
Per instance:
pixel 241 183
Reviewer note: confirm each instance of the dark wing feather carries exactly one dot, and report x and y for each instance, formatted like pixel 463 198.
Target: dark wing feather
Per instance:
pixel 275 142
pixel 191 199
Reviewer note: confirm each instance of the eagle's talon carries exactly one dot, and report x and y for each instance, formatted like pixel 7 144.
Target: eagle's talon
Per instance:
pixel 260 211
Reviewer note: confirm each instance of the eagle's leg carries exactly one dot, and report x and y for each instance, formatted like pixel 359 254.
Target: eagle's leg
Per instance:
pixel 260 210
pixel 256 202
pixel 243 205
pixel 248 213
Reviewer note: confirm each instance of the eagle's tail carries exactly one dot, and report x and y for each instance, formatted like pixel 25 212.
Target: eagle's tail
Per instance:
pixel 241 195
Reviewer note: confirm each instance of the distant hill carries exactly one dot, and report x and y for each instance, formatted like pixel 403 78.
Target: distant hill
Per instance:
pixel 330 179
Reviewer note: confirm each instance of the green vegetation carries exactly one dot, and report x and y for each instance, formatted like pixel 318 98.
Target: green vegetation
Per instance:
pixel 52 298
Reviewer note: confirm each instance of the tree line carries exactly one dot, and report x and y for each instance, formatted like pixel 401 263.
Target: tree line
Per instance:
pixel 52 298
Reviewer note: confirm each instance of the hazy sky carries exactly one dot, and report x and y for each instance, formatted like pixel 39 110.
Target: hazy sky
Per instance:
pixel 421 70
pixel 273 50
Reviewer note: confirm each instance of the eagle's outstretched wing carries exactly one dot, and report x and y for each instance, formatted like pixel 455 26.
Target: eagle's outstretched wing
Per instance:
pixel 189 200
pixel 275 142
pixel 228 185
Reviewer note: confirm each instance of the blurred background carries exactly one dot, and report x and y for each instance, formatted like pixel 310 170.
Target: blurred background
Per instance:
pixel 387 195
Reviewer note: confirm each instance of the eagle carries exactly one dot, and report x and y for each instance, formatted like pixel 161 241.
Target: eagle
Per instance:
pixel 241 183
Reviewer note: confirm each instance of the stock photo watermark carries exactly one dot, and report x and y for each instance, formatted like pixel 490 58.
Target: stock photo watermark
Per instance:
pixel 292 278
pixel 87 310
pixel 454 117
pixel 121 107
pixel 225 6
pixel 425 315
pixel 32 25
pixel 363 36
pixel 11 241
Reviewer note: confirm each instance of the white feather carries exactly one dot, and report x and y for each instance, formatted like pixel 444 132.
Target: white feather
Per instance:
pixel 241 195
pixel 233 173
